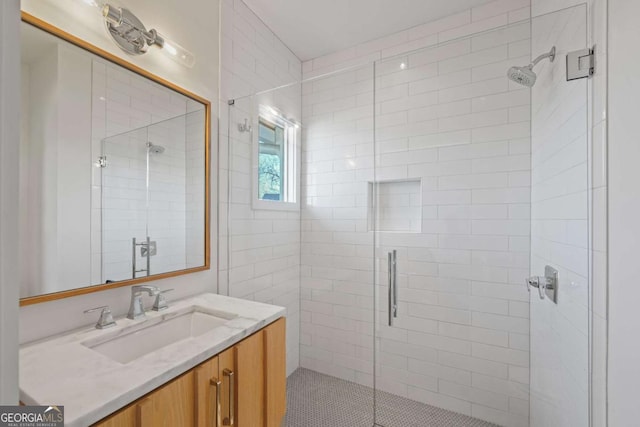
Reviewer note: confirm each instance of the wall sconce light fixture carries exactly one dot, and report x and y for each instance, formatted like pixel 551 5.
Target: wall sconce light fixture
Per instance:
pixel 130 34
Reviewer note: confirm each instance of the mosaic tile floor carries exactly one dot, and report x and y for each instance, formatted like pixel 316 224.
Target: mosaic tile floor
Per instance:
pixel 317 400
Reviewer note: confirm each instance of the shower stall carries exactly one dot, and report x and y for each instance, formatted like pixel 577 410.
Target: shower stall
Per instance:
pixel 150 199
pixel 438 256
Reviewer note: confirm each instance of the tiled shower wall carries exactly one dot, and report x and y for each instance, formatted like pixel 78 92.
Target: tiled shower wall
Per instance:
pixel 448 117
pixel 259 249
pixel 195 196
pixel 124 107
pixel 589 305
pixel 559 227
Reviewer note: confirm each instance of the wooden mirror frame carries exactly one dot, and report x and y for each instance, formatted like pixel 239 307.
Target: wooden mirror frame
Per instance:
pixel 61 34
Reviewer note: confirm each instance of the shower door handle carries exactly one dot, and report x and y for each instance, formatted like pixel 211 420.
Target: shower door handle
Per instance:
pixel 393 288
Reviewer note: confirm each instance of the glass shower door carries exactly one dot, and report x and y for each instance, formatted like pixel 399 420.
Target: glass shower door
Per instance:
pixel 481 182
pixel 168 178
pixel 124 203
pixel 450 214
pixel 560 329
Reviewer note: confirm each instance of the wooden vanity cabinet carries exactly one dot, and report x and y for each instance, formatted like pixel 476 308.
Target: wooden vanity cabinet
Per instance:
pixel 244 386
pixel 169 405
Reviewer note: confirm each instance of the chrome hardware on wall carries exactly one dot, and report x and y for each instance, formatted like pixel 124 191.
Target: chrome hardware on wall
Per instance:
pixel 393 288
pixel 101 162
pixel 580 64
pixel 148 248
pixel 547 284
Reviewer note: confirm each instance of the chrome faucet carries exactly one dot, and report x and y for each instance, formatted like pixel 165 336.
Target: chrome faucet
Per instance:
pixel 161 302
pixel 106 318
pixel 136 309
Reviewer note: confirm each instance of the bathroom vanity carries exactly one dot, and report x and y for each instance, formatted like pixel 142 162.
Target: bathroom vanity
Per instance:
pixel 116 191
pixel 206 360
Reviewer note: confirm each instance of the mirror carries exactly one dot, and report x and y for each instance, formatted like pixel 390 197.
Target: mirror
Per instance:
pixel 114 170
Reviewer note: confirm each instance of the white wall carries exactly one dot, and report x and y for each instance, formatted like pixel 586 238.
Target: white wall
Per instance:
pixel 451 118
pixel 73 222
pixel 196 28
pixel 9 156
pixel 259 249
pixel 55 227
pixel 38 180
pixel 624 211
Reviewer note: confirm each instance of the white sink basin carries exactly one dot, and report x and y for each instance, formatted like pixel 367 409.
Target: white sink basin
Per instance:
pixel 152 334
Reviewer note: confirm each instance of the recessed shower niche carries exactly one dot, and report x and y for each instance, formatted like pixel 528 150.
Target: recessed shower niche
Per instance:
pixel 395 206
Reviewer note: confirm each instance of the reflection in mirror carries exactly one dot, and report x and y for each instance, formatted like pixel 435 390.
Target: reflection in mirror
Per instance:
pixel 113 171
pixel 145 177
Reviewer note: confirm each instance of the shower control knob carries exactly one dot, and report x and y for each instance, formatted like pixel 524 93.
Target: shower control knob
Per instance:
pixel 547 285
pixel 536 281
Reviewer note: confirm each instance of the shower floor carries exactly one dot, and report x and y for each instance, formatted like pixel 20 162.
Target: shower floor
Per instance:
pixel 318 400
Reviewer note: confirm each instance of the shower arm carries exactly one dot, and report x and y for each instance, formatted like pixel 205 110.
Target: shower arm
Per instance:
pixel 551 54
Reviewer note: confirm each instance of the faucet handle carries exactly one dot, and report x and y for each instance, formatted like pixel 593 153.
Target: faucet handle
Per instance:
pixel 106 318
pixel 161 302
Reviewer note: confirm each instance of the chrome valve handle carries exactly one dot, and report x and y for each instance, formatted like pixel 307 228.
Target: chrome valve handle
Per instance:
pixel 535 281
pixel 547 285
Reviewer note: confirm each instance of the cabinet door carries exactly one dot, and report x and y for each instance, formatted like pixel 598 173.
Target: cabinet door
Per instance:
pixel 275 372
pixel 138 414
pixel 173 404
pixel 208 384
pixel 250 380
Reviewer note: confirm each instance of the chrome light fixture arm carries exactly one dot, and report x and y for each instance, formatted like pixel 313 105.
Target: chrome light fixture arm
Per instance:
pixel 130 34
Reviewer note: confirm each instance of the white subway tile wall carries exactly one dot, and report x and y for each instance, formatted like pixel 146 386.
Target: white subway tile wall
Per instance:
pixel 560 226
pixel 597 105
pixel 446 116
pixel 259 249
pixel 129 112
pixel 195 183
pixel 397 207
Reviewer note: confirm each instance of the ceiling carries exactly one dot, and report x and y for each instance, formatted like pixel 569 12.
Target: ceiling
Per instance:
pixel 312 28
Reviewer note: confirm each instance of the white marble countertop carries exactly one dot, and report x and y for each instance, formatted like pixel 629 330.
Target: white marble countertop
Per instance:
pixel 62 371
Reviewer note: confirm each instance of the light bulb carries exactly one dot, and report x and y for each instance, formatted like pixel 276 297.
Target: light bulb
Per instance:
pixel 176 52
pixel 95 3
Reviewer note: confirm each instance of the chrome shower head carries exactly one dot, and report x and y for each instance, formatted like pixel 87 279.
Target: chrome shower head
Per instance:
pixel 155 149
pixel 525 75
pixel 522 75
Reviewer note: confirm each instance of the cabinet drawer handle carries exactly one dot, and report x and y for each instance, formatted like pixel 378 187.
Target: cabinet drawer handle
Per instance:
pixel 217 384
pixel 144 413
pixel 228 421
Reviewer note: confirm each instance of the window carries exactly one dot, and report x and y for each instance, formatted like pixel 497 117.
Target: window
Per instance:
pixel 270 161
pixel 276 161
